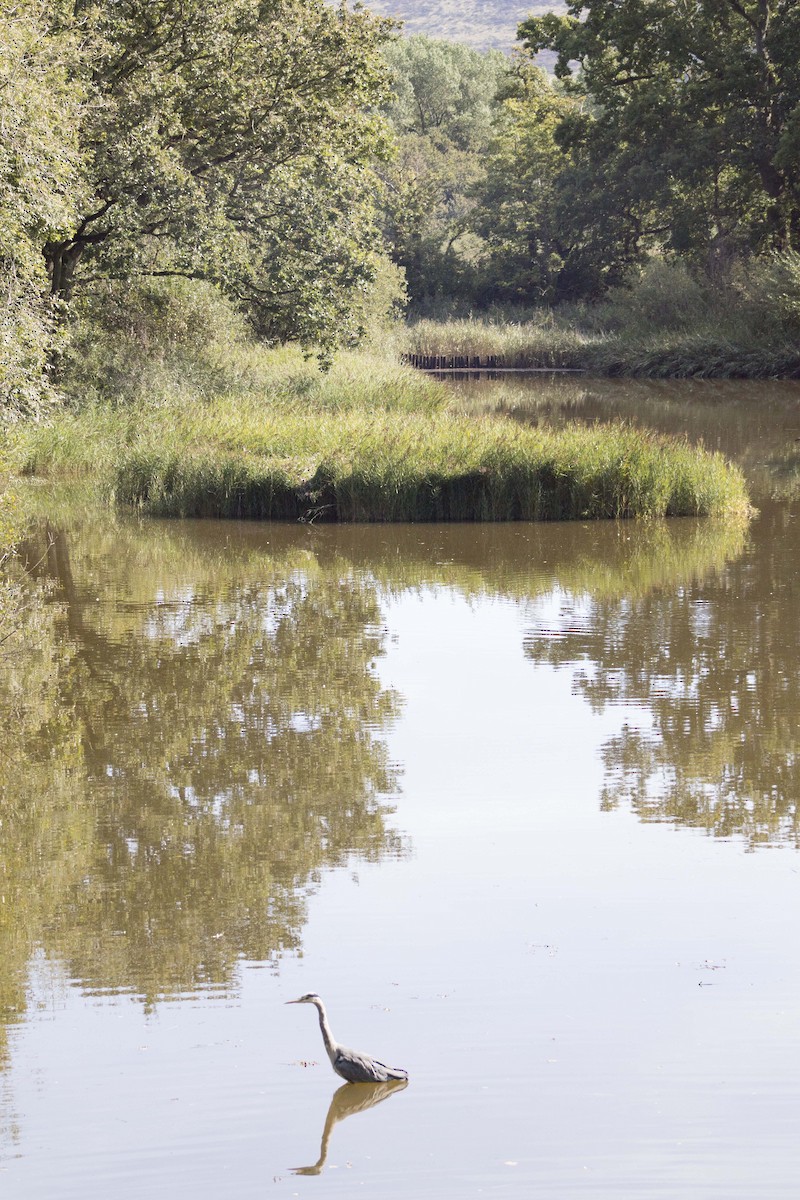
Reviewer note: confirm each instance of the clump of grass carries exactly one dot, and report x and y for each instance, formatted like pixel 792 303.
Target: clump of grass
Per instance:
pixel 9 505
pixel 366 441
pixel 543 341
pixel 11 524
pixel 270 458
pixel 442 467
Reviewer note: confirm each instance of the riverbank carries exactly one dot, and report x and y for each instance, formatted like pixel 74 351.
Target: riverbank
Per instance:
pixel 569 343
pixel 367 441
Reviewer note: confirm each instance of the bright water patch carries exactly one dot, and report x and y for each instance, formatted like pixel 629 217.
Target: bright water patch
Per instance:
pixel 520 803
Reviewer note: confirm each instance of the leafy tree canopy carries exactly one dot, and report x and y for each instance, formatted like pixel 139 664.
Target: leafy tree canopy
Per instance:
pixel 231 142
pixel 696 114
pixel 532 244
pixel 41 186
pixel 442 112
pixel 445 88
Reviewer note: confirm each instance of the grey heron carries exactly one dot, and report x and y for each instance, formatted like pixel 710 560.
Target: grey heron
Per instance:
pixel 352 1066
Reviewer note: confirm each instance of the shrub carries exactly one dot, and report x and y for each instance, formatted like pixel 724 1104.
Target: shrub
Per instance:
pixel 763 294
pixel 661 296
pixel 129 337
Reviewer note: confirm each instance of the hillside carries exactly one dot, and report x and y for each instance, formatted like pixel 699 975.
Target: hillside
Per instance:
pixel 484 24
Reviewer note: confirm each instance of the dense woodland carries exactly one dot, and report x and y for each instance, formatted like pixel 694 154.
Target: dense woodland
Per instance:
pixel 307 169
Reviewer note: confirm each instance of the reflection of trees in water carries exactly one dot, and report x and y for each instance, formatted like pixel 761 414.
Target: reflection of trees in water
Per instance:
pixel 198 730
pixel 715 664
pixel 219 747
pixel 42 830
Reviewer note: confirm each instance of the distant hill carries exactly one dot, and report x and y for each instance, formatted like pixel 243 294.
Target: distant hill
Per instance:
pixel 484 24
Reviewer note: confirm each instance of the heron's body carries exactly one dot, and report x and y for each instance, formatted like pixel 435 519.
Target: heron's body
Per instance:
pixel 350 1064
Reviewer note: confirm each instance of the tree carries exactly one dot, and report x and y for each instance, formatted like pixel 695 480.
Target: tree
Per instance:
pixel 696 116
pixel 442 114
pixel 40 188
pixel 531 254
pixel 233 143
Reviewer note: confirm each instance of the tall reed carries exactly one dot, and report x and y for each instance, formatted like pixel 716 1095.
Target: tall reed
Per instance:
pixel 368 441
pixel 359 465
pixel 667 323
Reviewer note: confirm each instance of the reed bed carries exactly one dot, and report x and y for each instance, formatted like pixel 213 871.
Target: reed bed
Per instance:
pixel 541 343
pixel 565 343
pixel 272 457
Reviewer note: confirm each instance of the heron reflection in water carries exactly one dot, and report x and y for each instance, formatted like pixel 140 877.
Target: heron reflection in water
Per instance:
pixel 346 1100
pixel 350 1064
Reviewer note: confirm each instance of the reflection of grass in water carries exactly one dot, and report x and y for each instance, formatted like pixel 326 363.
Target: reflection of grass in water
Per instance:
pixel 610 559
pixel 779 477
pixel 657 557
pixel 629 561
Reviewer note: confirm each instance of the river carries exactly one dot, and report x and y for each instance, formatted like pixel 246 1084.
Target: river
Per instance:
pixel 520 802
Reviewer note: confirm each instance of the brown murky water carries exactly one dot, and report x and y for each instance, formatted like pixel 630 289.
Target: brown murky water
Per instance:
pixel 520 802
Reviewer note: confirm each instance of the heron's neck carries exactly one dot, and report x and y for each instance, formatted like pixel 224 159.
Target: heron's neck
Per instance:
pixel 327 1036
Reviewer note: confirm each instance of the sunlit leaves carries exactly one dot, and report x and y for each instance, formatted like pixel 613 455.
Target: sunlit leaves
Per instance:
pixel 40 189
pixel 442 113
pixel 232 143
pixel 694 111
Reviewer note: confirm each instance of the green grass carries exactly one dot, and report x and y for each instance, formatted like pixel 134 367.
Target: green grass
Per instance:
pixel 668 322
pixel 569 343
pixel 544 341
pixel 367 442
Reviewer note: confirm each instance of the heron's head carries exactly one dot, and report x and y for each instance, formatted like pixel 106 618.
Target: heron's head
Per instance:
pixel 309 998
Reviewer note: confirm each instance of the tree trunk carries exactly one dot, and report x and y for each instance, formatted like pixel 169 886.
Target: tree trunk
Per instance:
pixel 62 258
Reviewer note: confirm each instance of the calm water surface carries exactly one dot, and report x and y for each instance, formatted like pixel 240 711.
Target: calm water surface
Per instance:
pixel 519 802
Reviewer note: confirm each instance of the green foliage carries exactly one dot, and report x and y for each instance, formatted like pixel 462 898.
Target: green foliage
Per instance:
pixel 534 252
pixel 664 320
pixel 444 89
pixel 664 297
pixel 232 144
pixel 365 443
pixel 11 525
pixel 9 507
pixel 40 188
pixel 767 290
pixel 670 320
pixel 694 119
pixel 131 338
pixel 442 114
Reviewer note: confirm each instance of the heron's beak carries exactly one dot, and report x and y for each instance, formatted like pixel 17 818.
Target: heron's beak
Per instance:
pixel 292 1002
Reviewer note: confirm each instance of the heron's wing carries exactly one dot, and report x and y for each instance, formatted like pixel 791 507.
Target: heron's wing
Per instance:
pixel 360 1068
